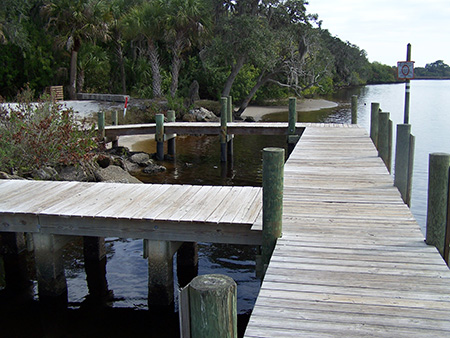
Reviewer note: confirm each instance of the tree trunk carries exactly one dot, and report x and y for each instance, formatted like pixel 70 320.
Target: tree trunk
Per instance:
pixel 73 75
pixel 123 79
pixel 235 69
pixel 176 65
pixel 156 73
pixel 261 81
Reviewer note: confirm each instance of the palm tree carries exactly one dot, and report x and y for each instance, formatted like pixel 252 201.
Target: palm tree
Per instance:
pixel 145 21
pixel 186 22
pixel 74 21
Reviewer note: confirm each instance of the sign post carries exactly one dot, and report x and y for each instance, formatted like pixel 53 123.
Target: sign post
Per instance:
pixel 405 70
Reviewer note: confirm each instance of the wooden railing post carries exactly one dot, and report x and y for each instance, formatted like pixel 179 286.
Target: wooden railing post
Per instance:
pixel 171 138
pixel 438 182
pixel 159 136
pixel 208 307
pixel 385 138
pixel 403 162
pixel 354 109
pixel 223 129
pixel 374 110
pixel 273 177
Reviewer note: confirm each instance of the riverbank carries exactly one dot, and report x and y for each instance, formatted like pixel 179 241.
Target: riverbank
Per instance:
pixel 304 105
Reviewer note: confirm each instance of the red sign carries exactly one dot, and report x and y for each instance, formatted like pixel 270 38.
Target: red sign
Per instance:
pixel 405 70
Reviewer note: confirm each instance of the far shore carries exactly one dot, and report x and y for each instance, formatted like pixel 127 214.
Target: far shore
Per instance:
pixel 257 112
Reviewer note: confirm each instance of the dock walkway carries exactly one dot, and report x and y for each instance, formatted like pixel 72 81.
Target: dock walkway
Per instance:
pixel 150 211
pixel 352 261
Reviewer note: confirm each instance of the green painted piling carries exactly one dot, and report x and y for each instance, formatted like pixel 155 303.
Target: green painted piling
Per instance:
pixel 159 136
pixel 438 182
pixel 383 138
pixel 223 129
pixel 374 110
pixel 273 177
pixel 213 306
pixel 354 109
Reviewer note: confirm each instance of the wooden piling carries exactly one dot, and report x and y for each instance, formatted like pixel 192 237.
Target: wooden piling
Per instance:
pixel 403 172
pixel 273 177
pixel 292 138
pixel 384 141
pixel 213 307
pixel 223 129
pixel 101 125
pixel 438 182
pixel 230 138
pixel 115 122
pixel 171 138
pixel 374 110
pixel 412 147
pixel 354 109
pixel 94 253
pixel 187 263
pixel 159 136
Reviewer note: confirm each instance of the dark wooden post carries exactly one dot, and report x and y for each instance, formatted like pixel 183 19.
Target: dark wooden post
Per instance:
pixel 187 263
pixel 230 138
pixel 273 177
pixel 374 110
pixel 223 129
pixel 354 109
pixel 211 308
pixel 438 182
pixel 95 266
pixel 115 122
pixel 159 136
pixel 383 139
pixel 171 140
pixel 292 138
pixel 101 125
pixel 403 169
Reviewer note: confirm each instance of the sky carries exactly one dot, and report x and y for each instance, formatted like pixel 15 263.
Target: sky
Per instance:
pixel 383 28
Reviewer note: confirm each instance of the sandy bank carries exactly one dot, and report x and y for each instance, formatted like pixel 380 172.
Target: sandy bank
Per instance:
pixel 258 112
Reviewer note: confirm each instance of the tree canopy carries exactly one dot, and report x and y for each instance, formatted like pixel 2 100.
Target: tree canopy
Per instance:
pixel 253 50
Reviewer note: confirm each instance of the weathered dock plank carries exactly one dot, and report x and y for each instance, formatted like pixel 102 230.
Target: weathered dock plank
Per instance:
pixel 150 211
pixel 352 261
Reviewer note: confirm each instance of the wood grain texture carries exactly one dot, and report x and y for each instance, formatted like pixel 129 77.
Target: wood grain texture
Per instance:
pixel 352 261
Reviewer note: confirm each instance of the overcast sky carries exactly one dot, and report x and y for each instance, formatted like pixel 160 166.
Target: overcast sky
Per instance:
pixel 383 28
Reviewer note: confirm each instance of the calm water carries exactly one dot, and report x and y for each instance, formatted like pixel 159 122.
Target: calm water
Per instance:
pixel 197 162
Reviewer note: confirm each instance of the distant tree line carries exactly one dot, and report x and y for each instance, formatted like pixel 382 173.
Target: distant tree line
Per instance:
pixel 253 50
pixel 435 70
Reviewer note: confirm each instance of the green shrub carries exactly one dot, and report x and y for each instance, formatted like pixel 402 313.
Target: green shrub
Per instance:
pixel 35 135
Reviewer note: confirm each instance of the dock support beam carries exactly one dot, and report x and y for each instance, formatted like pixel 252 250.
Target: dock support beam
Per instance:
pixel 438 183
pixel 273 178
pixel 160 273
pixel 187 263
pixel 115 122
pixel 50 265
pixel 95 266
pixel 374 110
pixel 208 307
pixel 159 136
pixel 16 279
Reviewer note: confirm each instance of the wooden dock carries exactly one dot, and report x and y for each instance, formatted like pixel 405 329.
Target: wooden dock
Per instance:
pixel 184 213
pixel 352 261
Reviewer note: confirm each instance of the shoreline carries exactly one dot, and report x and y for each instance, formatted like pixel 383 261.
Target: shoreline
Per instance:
pixel 257 112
